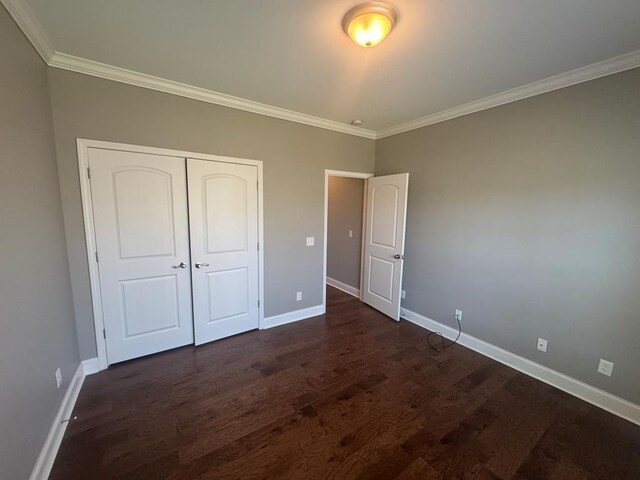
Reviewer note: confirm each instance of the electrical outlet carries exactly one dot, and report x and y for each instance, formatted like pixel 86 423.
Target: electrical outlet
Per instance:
pixel 311 241
pixel 350 233
pixel 459 315
pixel 58 378
pixel 542 344
pixel 403 294
pixel 298 296
pixel 605 367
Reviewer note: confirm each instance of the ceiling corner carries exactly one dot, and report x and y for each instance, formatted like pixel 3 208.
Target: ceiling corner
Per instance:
pixel 29 24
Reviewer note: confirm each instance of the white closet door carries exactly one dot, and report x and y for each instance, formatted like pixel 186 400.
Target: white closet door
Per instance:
pixel 223 214
pixel 384 242
pixel 140 216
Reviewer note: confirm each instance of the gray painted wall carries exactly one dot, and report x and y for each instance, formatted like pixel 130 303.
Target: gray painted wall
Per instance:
pixel 527 216
pixel 37 332
pixel 295 157
pixel 346 197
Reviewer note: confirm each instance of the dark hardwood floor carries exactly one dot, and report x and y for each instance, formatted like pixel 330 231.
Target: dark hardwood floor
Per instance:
pixel 351 394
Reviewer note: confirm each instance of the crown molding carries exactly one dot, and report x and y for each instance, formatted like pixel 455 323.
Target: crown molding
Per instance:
pixel 96 69
pixel 26 20
pixel 584 74
pixel 610 66
pixel 29 24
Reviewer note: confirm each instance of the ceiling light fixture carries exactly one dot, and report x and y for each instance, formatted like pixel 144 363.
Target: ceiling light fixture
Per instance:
pixel 357 123
pixel 369 23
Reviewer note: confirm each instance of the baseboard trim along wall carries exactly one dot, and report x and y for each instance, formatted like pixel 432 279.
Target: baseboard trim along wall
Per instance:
pixel 51 445
pixel 91 366
pixel 593 395
pixel 290 317
pixel 47 455
pixel 344 287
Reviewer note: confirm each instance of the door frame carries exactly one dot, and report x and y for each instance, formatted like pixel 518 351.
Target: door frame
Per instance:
pixel 83 146
pixel 340 173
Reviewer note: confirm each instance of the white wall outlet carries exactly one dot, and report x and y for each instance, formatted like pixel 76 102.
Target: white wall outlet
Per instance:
pixel 459 315
pixel 298 296
pixel 542 344
pixel 58 378
pixel 605 367
pixel 311 241
pixel 403 294
pixel 350 233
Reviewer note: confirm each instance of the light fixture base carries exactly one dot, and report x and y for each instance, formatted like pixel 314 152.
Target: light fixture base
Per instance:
pixel 359 34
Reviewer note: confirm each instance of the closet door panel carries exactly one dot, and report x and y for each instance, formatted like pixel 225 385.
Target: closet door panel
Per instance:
pixel 223 215
pixel 141 225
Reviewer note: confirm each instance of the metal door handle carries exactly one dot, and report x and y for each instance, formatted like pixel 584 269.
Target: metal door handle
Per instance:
pixel 397 256
pixel 180 265
pixel 200 265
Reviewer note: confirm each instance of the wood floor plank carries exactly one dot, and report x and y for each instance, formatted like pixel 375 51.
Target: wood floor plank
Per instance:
pixel 351 394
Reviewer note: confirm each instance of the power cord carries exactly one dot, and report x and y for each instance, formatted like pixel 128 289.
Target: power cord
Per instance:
pixel 444 344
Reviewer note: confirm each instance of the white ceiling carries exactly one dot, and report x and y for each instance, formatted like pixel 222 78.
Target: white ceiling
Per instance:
pixel 293 54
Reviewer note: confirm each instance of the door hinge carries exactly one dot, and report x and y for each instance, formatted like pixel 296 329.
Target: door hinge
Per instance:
pixel 88 173
pixel 257 185
pixel 258 245
pixel 104 334
pixel 258 303
pixel 96 256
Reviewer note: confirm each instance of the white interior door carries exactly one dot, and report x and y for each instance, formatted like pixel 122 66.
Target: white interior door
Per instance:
pixel 384 242
pixel 223 214
pixel 140 216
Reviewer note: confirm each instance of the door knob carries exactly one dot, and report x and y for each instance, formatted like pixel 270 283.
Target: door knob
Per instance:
pixel 180 265
pixel 200 265
pixel 397 256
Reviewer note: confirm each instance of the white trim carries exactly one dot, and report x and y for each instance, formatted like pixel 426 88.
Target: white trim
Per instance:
pixel 593 395
pixel 338 173
pixel 610 66
pixel 31 27
pixel 33 30
pixel 344 287
pixel 26 20
pixel 90 366
pixel 49 450
pixel 90 244
pixel 35 33
pixel 290 317
pixel 101 70
pixel 261 247
pixel 87 210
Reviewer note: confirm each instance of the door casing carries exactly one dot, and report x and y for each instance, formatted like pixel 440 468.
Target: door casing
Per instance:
pixel 83 147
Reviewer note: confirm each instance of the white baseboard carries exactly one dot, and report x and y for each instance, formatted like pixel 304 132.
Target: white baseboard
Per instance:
pixel 290 317
pixel 90 366
pixel 593 395
pixel 45 460
pixel 344 287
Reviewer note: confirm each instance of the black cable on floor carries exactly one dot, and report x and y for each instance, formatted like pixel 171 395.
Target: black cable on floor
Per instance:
pixel 444 345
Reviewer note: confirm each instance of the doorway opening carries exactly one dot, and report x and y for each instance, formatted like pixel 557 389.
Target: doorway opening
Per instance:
pixel 382 202
pixel 344 233
pixel 344 212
